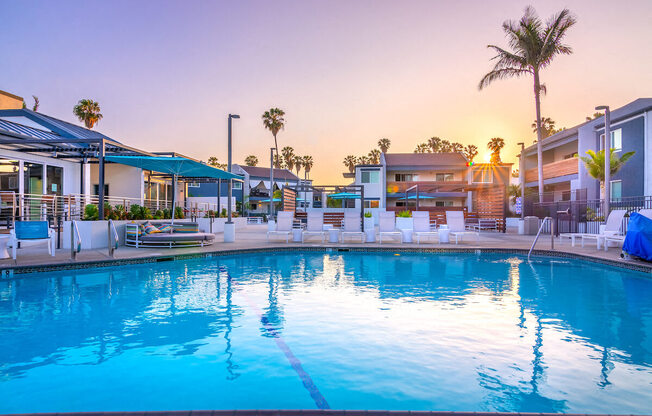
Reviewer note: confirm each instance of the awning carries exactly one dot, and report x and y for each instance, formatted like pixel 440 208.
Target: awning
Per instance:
pixel 173 166
pixel 420 197
pixel 344 195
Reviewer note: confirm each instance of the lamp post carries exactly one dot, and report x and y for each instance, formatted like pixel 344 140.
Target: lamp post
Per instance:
pixel 607 158
pixel 229 227
pixel 271 184
pixel 521 178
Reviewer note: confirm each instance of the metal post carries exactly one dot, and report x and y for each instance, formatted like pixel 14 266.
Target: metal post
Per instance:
pixel 607 161
pixel 219 192
pixel 521 178
pixel 174 195
pixel 271 184
pixel 230 184
pixel 73 250
pixel 100 191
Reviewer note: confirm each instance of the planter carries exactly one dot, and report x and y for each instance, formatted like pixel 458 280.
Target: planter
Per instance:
pixel 369 229
pixel 404 223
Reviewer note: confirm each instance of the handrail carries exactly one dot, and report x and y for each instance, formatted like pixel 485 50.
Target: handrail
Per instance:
pixel 552 236
pixel 112 232
pixel 75 240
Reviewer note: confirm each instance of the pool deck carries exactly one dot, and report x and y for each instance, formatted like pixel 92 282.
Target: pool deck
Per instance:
pixel 254 237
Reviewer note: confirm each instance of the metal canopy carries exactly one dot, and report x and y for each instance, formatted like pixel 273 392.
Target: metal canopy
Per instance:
pixel 178 166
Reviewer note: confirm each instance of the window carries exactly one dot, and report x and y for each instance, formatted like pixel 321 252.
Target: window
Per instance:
pixel 444 203
pixel 54 180
pixel 371 204
pixel 570 155
pixel 616 140
pixel 401 203
pixel 443 177
pixel 369 176
pixel 616 189
pixel 482 175
pixel 9 175
pixel 96 189
pixel 193 184
pixel 237 185
pixel 405 177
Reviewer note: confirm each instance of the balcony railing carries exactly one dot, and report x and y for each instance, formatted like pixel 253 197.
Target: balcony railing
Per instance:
pixel 553 170
pixel 428 186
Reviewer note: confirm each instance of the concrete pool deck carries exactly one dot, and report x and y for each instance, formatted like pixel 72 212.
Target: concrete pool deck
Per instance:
pixel 254 237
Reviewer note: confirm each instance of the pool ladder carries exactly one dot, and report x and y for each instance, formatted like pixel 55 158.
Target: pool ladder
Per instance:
pixel 113 238
pixel 552 236
pixel 75 240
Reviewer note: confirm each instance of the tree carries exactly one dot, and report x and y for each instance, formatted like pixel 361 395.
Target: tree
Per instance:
pixel 88 112
pixel 457 147
pixel 274 121
pixel 36 103
pixel 533 46
pixel 350 162
pixel 445 147
pixel 298 163
pixel 288 157
pixel 374 156
pixel 435 144
pixel 362 160
pixel 423 148
pixel 470 152
pixel 215 163
pixel 278 162
pixel 516 173
pixel 383 144
pixel 547 127
pixel 251 160
pixel 595 115
pixel 307 164
pixel 495 145
pixel 594 164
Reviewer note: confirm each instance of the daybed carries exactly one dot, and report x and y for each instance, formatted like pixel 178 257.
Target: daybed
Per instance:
pixel 185 234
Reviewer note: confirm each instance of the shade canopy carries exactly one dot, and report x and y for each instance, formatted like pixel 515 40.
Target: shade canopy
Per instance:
pixel 179 166
pixel 420 197
pixel 344 195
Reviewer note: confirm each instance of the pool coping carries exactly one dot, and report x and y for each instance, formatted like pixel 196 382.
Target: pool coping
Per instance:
pixel 10 271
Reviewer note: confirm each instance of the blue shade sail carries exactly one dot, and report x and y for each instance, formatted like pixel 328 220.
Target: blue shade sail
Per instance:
pixel 173 166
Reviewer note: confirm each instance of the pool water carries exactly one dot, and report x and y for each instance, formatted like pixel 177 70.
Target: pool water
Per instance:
pixel 396 331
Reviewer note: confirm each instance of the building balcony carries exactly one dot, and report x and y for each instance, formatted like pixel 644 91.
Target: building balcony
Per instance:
pixel 427 186
pixel 553 170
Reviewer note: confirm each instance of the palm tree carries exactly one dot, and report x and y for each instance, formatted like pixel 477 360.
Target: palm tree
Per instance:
pixel 288 157
pixel 36 103
pixel 470 152
pixel 435 144
pixel 495 145
pixel 374 156
pixel 213 161
pixel 274 121
pixel 594 164
pixel 362 160
pixel 423 148
pixel 278 162
pixel 350 162
pixel 298 163
pixel 87 111
pixel 251 160
pixel 445 147
pixel 533 46
pixel 307 164
pixel 594 116
pixel 457 147
pixel 383 144
pixel 547 127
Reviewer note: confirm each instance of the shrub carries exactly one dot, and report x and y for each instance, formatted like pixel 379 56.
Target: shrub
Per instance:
pixel 367 214
pixel 178 213
pixel 404 214
pixel 91 213
pixel 136 212
pixel 159 214
pixel 223 213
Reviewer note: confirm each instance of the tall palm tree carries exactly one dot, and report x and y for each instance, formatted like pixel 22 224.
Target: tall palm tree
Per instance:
pixel 298 163
pixel 274 121
pixel 547 127
pixel 288 157
pixel 362 160
pixel 435 144
pixel 350 162
pixel 533 46
pixel 423 148
pixel 307 164
pixel 495 145
pixel 470 152
pixel 87 111
pixel 383 144
pixel 594 164
pixel 278 162
pixel 251 160
pixel 374 156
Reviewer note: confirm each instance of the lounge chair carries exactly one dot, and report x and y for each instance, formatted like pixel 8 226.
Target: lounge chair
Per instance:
pixel 455 221
pixel 421 226
pixel 284 221
pixel 315 226
pixel 185 234
pixel 387 226
pixel 620 239
pixel 31 231
pixel 614 222
pixel 352 227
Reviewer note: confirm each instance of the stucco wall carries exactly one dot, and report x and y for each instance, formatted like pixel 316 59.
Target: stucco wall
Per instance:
pixel 124 181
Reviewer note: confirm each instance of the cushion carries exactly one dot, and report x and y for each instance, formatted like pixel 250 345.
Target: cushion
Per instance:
pixel 151 229
pixel 187 228
pixel 179 237
pixel 132 233
pixel 165 228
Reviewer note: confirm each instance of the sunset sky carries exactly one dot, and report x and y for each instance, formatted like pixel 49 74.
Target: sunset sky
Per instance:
pixel 347 73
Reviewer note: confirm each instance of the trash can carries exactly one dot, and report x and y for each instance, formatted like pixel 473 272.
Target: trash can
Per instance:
pixel 531 225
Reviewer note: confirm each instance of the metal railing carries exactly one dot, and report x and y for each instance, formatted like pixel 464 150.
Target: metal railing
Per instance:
pixel 75 240
pixel 113 239
pixel 552 236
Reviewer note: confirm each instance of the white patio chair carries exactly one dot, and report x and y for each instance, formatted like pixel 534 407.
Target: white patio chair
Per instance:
pixel 315 226
pixel 284 220
pixel 352 227
pixel 455 221
pixel 31 231
pixel 421 226
pixel 387 226
pixel 612 228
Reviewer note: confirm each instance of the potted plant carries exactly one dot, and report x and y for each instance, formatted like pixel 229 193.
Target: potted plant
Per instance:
pixel 368 221
pixel 404 220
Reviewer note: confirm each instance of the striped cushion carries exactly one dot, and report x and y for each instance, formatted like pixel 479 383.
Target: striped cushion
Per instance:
pixel 151 229
pixel 186 228
pixel 165 228
pixel 131 232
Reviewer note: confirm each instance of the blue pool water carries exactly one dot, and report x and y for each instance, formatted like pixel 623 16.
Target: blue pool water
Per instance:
pixel 341 330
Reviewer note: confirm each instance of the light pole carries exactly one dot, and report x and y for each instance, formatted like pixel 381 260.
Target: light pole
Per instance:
pixel 271 183
pixel 229 227
pixel 607 158
pixel 521 178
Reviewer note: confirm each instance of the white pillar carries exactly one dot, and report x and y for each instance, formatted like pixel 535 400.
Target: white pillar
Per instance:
pixel 142 187
pixel 44 187
pixel 86 191
pixel 21 187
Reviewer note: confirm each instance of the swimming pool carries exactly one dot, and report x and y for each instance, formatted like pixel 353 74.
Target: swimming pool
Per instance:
pixel 289 330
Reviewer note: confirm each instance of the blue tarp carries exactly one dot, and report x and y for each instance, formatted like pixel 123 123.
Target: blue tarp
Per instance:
pixel 638 241
pixel 179 166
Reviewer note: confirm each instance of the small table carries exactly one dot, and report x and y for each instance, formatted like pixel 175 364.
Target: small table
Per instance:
pixel 4 239
pixel 334 235
pixel 443 235
pixel 407 235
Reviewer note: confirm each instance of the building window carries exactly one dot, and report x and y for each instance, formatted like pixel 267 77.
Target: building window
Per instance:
pixel 96 189
pixel 616 189
pixel 369 176
pixel 405 177
pixel 616 140
pixel 193 184
pixel 570 155
pixel 482 175
pixel 401 203
pixel 444 203
pixel 371 204
pixel 54 180
pixel 237 185
pixel 9 175
pixel 444 177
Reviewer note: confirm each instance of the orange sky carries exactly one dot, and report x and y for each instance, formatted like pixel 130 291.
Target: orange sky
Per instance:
pixel 346 73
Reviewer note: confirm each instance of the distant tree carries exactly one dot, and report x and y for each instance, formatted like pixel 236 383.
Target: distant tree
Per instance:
pixel 88 112
pixel 278 162
pixel 350 162
pixel 213 161
pixel 594 164
pixel 457 147
pixel 307 164
pixel 547 127
pixel 435 144
pixel 362 160
pixel 423 148
pixel 274 121
pixel 533 46
pixel 298 163
pixel 374 156
pixel 36 103
pixel 470 152
pixel 251 160
pixel 495 145
pixel 288 157
pixel 516 173
pixel 445 147
pixel 383 144
pixel 595 115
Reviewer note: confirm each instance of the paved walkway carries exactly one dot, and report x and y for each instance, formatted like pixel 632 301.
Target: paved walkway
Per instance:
pixel 254 237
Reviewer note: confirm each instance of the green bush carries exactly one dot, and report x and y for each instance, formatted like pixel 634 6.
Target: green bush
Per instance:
pixel 404 214
pixel 178 213
pixel 91 213
pixel 223 213
pixel 367 214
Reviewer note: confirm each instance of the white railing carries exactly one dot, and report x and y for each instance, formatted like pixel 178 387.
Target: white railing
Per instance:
pixel 552 235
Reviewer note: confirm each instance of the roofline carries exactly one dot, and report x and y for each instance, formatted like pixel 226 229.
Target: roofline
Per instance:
pixel 12 95
pixel 623 117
